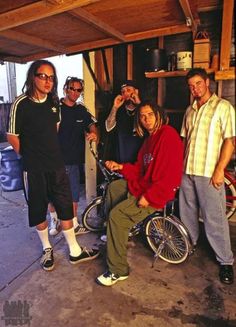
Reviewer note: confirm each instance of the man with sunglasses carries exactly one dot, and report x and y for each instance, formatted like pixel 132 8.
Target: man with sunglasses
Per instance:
pixel 32 132
pixel 76 124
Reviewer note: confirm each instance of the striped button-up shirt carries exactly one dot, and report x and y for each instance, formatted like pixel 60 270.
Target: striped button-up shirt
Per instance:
pixel 204 130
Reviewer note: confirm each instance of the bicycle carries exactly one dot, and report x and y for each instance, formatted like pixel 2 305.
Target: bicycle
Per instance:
pixel 165 234
pixel 230 190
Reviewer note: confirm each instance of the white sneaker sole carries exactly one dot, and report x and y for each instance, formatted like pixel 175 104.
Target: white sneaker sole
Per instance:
pixel 85 259
pixel 48 268
pixel 112 282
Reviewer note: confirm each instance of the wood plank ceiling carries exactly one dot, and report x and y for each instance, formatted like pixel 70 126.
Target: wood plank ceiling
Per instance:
pixel 31 30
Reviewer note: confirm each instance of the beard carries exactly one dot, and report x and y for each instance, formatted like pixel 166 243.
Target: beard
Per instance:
pixel 129 102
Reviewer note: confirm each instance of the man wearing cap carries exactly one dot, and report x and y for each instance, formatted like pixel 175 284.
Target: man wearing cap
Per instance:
pixel 121 121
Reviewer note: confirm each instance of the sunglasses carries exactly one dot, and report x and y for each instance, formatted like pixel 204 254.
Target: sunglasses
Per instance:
pixel 45 77
pixel 75 90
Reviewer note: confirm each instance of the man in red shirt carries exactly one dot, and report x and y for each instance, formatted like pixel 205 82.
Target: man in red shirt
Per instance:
pixel 147 186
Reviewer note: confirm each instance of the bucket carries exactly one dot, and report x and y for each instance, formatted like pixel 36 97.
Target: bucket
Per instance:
pixel 184 60
pixel 155 60
pixel 10 170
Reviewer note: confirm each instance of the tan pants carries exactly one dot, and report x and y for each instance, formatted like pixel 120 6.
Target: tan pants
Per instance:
pixel 123 215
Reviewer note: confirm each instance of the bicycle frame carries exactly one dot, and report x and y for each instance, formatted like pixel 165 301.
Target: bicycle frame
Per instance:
pixel 230 188
pixel 108 174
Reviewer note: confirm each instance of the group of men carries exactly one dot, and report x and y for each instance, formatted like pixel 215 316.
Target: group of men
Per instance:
pixel 150 156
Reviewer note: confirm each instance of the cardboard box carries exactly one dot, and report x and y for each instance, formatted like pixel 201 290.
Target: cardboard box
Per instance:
pixel 202 51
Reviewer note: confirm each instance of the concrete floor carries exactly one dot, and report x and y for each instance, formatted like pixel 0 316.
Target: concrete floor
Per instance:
pixel 188 294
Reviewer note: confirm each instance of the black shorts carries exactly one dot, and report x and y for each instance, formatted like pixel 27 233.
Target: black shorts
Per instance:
pixel 44 187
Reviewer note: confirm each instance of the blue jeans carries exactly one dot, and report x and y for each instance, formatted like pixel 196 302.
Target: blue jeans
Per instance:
pixel 74 177
pixel 196 193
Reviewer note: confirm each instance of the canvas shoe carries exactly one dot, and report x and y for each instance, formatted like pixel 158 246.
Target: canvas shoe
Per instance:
pixel 103 238
pixel 85 255
pixel 81 230
pixel 54 227
pixel 109 279
pixel 47 259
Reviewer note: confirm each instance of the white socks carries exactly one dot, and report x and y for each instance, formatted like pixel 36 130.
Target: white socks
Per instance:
pixel 43 235
pixel 75 249
pixel 75 222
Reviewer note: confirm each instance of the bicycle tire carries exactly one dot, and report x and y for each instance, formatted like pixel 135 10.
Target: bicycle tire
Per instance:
pixel 230 193
pixel 171 235
pixel 93 217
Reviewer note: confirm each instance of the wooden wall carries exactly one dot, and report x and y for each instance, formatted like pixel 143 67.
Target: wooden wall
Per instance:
pixel 177 94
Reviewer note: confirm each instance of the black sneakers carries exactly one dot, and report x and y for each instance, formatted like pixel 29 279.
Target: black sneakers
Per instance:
pixel 47 260
pixel 86 255
pixel 226 274
pixel 80 230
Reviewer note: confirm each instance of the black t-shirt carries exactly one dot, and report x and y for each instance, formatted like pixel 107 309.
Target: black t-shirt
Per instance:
pixel 36 125
pixel 128 143
pixel 75 121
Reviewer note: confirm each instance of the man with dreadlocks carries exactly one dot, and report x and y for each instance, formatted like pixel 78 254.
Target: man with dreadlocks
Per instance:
pixel 147 186
pixel 32 132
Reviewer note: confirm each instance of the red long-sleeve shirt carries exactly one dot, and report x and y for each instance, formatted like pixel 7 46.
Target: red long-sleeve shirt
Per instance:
pixel 158 169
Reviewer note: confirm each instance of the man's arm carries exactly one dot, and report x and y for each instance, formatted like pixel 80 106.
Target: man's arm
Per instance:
pixel 225 155
pixel 14 141
pixel 93 134
pixel 110 122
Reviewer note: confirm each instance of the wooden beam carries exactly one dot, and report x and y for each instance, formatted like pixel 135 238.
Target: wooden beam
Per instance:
pixel 161 81
pixel 108 42
pixel 38 10
pixel 130 61
pixel 219 88
pixel 176 29
pixel 176 73
pixel 189 15
pixel 225 74
pixel 97 23
pixel 226 34
pixel 100 70
pixel 32 40
pixel 11 58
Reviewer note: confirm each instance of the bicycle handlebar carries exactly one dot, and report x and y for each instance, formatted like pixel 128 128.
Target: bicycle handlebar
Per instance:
pixel 108 174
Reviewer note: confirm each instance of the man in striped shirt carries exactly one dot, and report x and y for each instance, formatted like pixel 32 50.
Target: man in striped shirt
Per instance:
pixel 208 130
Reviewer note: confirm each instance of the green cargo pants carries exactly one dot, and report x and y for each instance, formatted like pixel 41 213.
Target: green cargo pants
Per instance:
pixel 123 214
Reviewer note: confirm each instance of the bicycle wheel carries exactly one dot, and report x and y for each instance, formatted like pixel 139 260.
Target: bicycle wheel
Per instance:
pixel 166 237
pixel 230 192
pixel 93 217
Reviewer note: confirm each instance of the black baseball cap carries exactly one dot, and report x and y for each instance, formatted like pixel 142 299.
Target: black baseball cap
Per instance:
pixel 128 82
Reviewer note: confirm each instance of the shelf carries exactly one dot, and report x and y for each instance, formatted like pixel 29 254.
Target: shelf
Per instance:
pixel 176 73
pixel 228 74
pixel 225 74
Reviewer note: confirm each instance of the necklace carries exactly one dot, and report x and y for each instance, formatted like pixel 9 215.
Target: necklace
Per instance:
pixel 130 112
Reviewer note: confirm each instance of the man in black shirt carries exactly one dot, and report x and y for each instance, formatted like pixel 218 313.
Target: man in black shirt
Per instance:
pixel 76 124
pixel 33 133
pixel 121 122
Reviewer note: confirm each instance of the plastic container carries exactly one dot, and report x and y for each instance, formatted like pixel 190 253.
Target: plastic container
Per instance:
pixel 10 170
pixel 184 60
pixel 155 60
